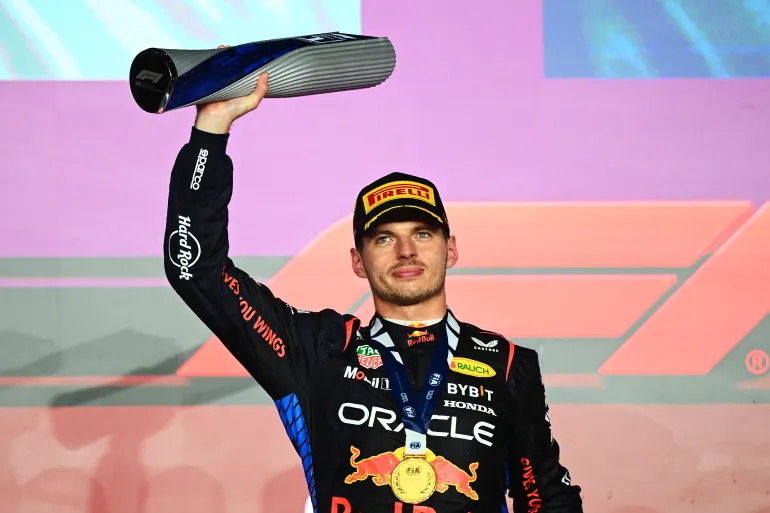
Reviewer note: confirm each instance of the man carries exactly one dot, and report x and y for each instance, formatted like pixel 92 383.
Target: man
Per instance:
pixel 416 411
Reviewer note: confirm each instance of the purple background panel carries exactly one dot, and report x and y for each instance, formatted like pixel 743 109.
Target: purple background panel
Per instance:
pixel 85 171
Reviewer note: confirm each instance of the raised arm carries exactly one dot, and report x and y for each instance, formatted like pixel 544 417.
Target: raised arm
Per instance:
pixel 268 337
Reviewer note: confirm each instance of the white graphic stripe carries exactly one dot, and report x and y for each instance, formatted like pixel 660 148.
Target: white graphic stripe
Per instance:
pixel 55 52
pixel 133 27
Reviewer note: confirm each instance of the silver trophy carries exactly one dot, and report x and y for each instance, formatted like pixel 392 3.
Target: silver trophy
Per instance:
pixel 163 80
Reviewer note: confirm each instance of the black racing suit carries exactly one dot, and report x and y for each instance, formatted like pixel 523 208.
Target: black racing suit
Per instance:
pixel 490 434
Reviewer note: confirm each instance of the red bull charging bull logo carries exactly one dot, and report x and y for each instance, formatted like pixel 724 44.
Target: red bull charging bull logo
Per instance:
pixel 380 466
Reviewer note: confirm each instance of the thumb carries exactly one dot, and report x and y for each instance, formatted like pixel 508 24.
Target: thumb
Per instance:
pixel 259 91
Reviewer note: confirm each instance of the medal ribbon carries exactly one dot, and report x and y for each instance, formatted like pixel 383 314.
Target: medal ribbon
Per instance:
pixel 416 413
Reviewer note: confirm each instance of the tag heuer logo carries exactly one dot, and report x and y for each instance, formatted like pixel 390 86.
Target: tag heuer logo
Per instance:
pixel 369 357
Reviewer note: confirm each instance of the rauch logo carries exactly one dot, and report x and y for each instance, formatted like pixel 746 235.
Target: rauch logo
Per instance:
pixel 471 368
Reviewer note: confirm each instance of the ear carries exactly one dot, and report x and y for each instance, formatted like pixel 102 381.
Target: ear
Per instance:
pixel 452 254
pixel 357 263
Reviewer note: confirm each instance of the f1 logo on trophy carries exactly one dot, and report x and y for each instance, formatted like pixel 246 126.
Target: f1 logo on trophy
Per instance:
pixel 162 80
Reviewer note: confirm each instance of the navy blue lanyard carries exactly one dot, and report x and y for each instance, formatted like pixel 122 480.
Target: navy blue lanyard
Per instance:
pixel 416 413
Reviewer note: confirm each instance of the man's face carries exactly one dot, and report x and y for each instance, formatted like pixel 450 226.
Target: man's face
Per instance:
pixel 405 262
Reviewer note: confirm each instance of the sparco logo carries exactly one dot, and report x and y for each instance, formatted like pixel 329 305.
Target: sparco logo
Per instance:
pixel 184 250
pixel 200 167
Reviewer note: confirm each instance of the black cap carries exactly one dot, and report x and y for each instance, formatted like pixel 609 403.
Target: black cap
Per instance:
pixel 398 197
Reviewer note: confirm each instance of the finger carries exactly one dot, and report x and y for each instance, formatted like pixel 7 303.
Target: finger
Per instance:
pixel 259 91
pixel 262 83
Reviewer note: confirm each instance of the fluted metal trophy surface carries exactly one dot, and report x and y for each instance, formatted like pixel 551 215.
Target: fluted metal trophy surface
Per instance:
pixel 162 80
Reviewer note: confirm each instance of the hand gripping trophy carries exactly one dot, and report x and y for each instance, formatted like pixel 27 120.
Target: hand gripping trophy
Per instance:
pixel 162 80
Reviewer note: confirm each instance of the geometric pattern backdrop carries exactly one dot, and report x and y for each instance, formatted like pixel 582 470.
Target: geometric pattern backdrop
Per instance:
pixel 604 164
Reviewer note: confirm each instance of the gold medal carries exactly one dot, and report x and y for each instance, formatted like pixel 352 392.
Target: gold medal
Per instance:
pixel 413 480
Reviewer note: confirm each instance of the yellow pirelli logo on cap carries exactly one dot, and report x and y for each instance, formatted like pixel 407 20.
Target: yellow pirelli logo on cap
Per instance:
pixel 396 190
pixel 472 368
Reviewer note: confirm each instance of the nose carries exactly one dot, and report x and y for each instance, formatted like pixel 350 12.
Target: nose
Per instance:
pixel 406 247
